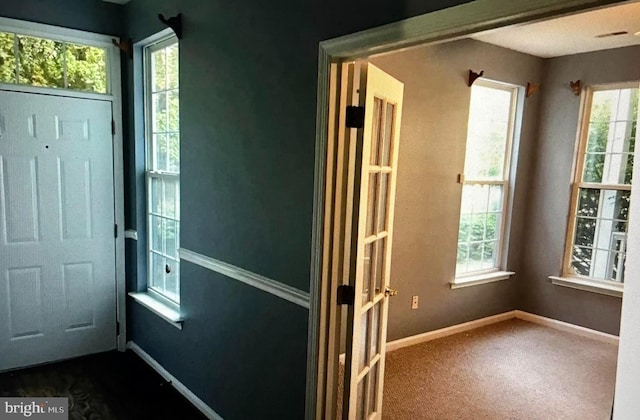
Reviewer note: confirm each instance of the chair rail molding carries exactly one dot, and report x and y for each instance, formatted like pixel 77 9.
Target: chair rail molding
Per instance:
pixel 276 288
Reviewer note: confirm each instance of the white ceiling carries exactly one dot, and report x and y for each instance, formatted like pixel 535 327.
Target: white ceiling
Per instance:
pixel 566 35
pixel 570 34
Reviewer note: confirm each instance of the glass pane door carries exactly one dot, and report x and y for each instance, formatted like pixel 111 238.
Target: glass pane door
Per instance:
pixel 365 351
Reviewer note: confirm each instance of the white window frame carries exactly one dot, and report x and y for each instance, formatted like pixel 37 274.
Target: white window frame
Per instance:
pixel 150 174
pixel 568 277
pixel 498 272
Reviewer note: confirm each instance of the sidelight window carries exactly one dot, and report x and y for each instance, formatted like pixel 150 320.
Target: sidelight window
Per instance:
pixel 162 133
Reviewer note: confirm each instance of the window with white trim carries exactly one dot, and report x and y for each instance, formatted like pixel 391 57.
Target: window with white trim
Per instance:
pixel 485 192
pixel 601 190
pixel 162 132
pixel 44 62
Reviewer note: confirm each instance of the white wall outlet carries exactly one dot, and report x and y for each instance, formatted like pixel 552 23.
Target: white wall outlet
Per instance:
pixel 414 302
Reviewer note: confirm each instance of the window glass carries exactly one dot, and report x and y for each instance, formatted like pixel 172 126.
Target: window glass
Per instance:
pixel 611 138
pixel 40 62
pixel 86 68
pixel 7 58
pixel 482 216
pixel 43 62
pixel 487 133
pixel 603 189
pixel 479 230
pixel 165 109
pixel 163 157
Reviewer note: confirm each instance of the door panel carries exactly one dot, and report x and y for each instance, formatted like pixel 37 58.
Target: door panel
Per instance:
pixel 25 304
pixel 375 180
pixel 57 248
pixel 20 191
pixel 78 281
pixel 74 181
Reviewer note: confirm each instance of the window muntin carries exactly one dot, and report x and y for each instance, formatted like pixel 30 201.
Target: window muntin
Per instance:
pixel 602 188
pixel 485 190
pixel 163 168
pixel 33 61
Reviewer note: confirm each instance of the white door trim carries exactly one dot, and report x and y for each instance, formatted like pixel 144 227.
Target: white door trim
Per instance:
pixel 115 97
pixel 438 26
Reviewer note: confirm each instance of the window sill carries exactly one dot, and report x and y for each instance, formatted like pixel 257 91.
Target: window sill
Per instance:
pixel 164 311
pixel 481 279
pixel 589 285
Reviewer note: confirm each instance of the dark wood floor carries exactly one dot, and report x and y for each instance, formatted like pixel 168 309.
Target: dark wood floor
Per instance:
pixel 106 386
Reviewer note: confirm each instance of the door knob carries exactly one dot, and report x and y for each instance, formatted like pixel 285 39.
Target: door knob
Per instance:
pixel 390 292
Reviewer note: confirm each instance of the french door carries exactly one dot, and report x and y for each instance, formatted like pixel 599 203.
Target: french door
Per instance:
pixel 376 124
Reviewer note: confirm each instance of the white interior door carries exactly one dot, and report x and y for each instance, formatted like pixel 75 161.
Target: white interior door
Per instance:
pixel 375 175
pixel 57 245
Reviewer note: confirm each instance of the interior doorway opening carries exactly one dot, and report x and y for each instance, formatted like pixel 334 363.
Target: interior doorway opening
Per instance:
pixel 346 50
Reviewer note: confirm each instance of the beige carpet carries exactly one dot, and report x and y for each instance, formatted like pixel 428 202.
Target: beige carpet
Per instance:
pixel 510 370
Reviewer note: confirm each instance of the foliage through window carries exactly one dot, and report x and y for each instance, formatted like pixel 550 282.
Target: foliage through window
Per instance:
pixel 602 188
pixel 43 62
pixel 163 167
pixel 485 188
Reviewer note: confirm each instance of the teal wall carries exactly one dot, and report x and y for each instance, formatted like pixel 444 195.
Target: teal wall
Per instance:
pixel 86 15
pixel 248 80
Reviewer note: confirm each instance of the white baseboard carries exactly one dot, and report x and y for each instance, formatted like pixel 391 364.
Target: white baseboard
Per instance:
pixel 445 332
pixel 525 316
pixel 565 326
pixel 197 402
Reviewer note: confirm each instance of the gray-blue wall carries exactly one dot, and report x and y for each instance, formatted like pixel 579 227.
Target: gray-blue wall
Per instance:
pixel 427 203
pixel 550 189
pixel 248 78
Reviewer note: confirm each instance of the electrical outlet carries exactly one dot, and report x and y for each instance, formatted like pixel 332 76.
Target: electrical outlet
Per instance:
pixel 414 302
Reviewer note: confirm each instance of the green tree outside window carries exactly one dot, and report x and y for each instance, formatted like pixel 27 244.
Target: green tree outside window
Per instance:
pixel 46 63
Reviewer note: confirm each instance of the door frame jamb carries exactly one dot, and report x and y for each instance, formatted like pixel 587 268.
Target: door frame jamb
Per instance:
pixel 439 26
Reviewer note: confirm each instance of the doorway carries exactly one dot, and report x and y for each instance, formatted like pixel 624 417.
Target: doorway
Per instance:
pixel 61 195
pixel 347 49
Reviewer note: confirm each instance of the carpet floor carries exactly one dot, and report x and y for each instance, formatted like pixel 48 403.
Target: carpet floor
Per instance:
pixel 108 386
pixel 512 370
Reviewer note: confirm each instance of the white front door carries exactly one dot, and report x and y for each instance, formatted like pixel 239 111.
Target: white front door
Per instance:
pixel 57 245
pixel 373 197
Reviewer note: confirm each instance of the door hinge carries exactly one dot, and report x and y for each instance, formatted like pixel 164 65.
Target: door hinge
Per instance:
pixel 117 327
pixel 115 231
pixel 346 295
pixel 355 117
pixel 113 127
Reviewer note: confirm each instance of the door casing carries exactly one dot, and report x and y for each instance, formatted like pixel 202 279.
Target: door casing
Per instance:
pixel 115 97
pixel 435 27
